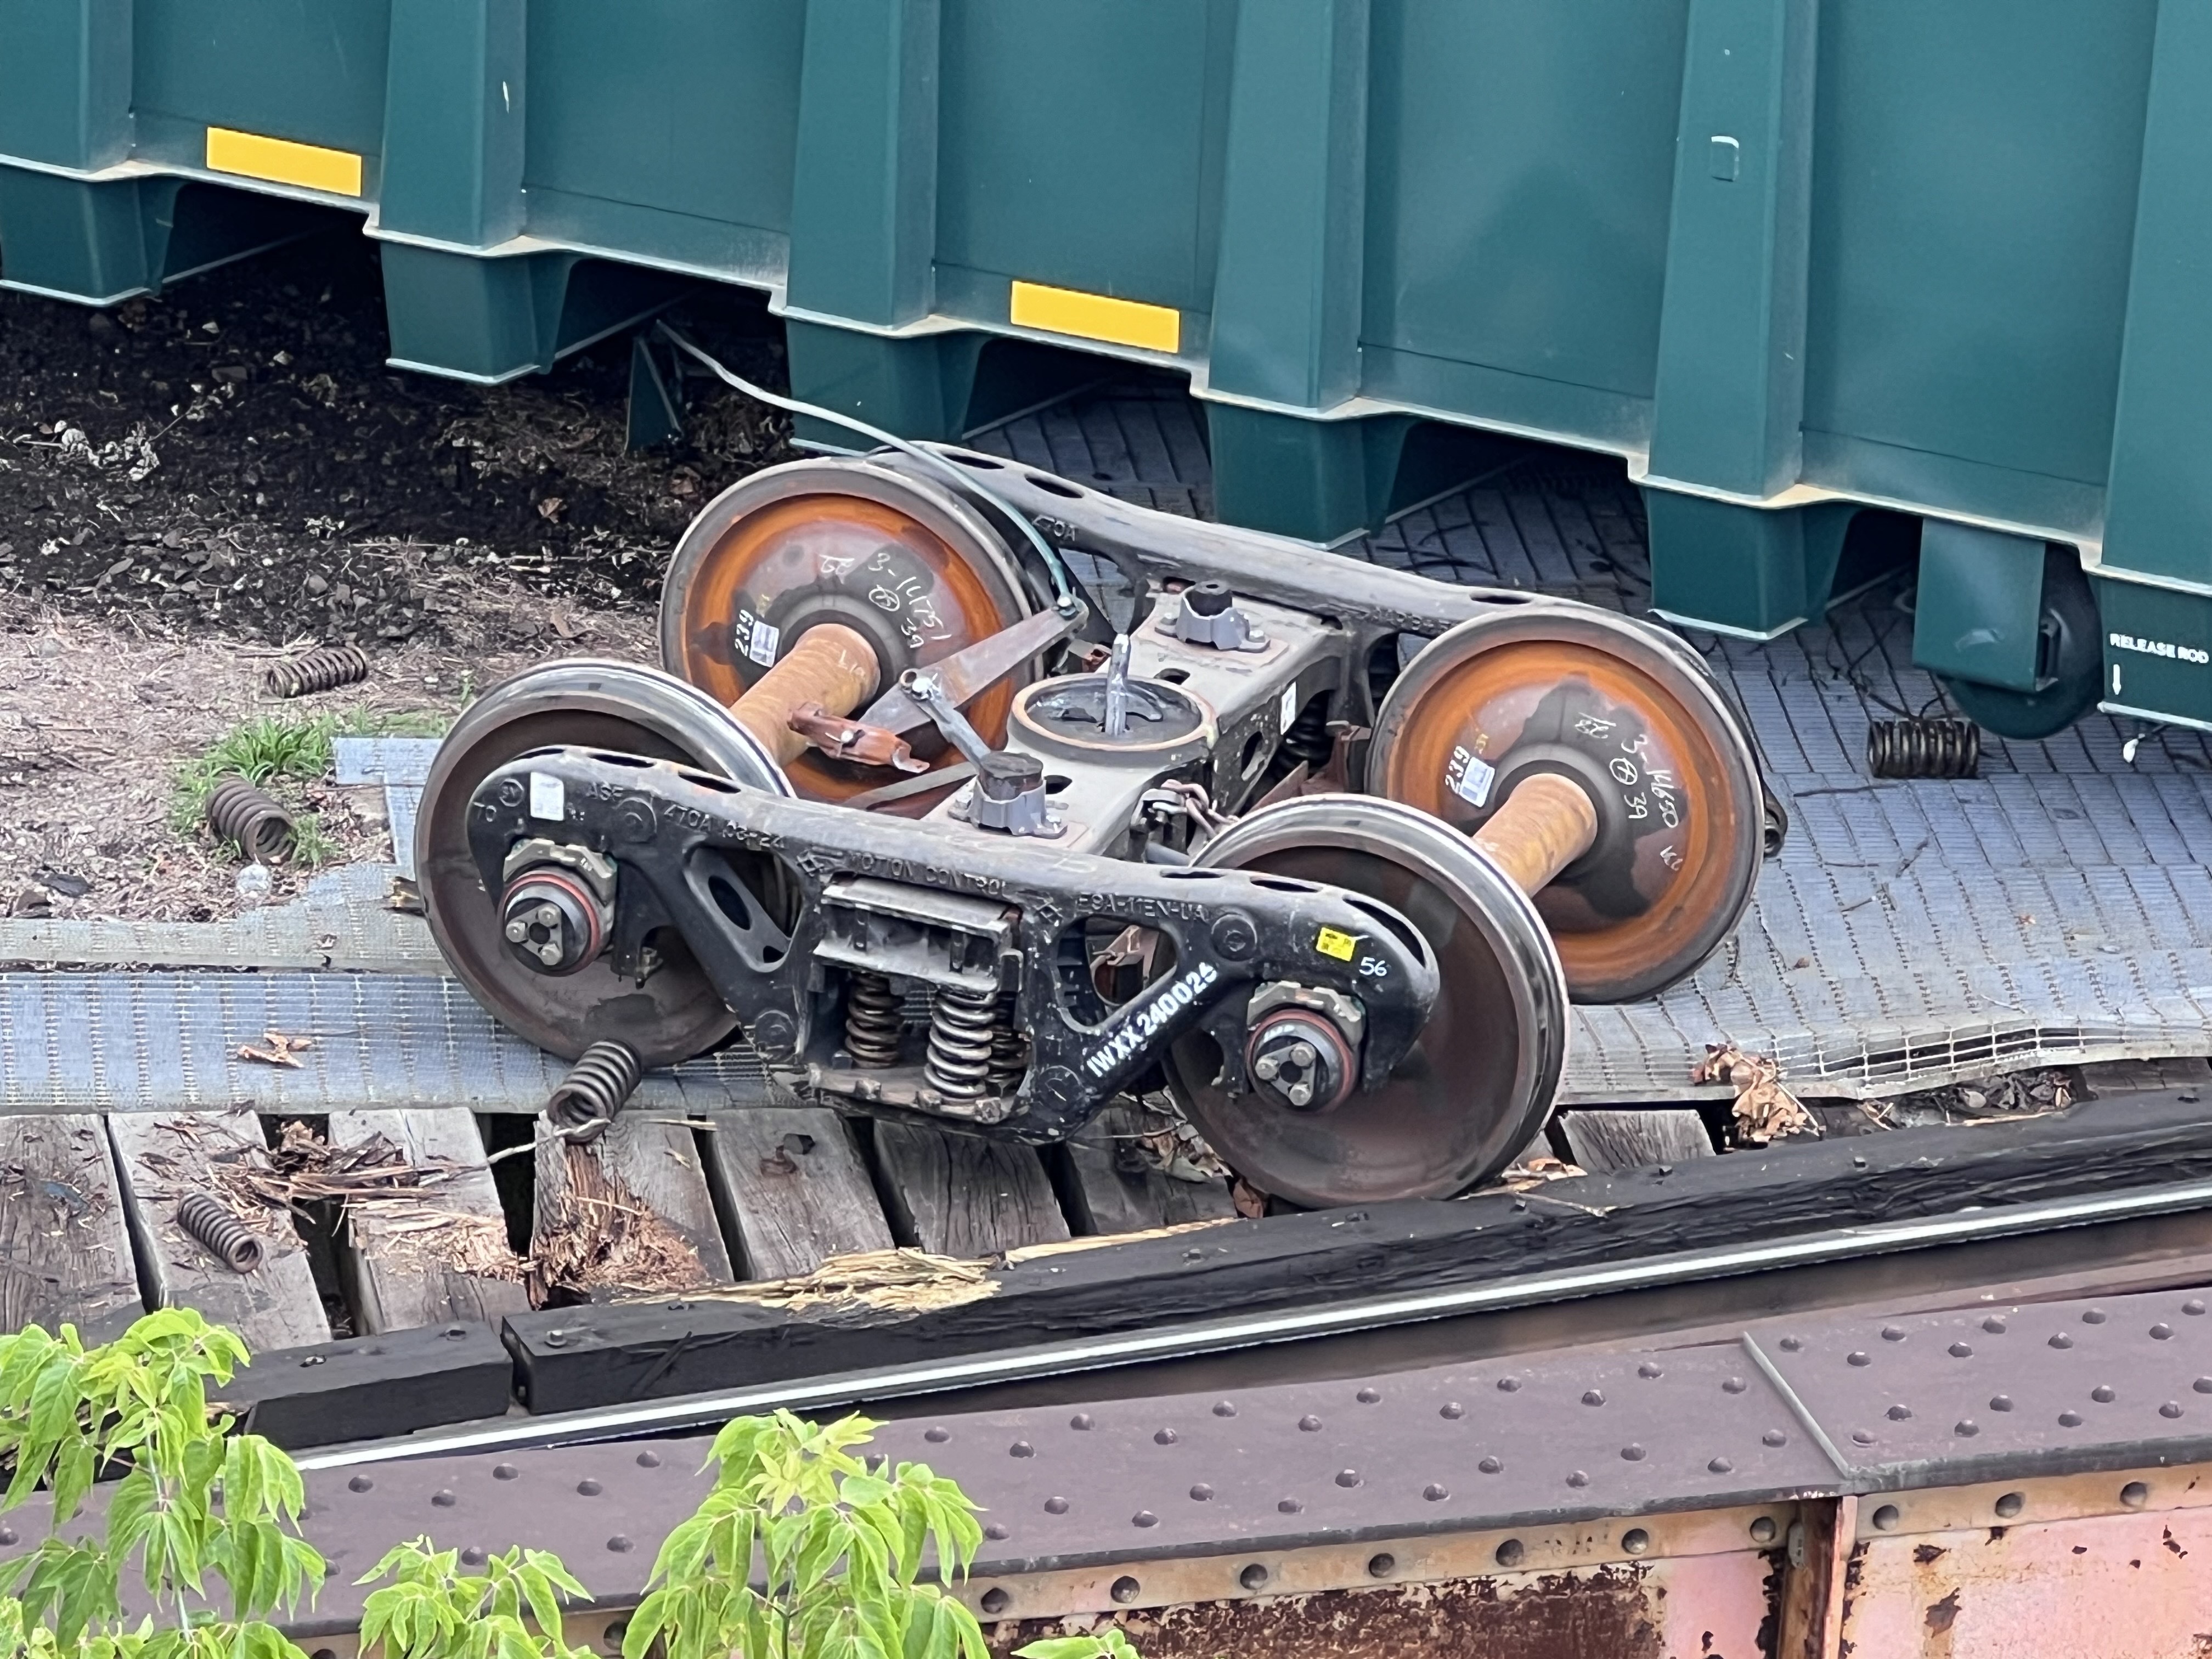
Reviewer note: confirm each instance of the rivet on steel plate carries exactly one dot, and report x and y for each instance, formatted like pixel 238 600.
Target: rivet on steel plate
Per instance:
pixel 1631 1453
pixel 454 1331
pixel 505 1472
pixel 2093 1315
pixel 7 1536
pixel 938 1436
pixel 588 1487
pixel 1490 1465
pixel 1886 1517
pixel 1762 1529
pixel 2171 1408
pixel 1055 1505
pixel 1381 1565
pixel 1144 1518
pixel 1858 1357
pixel 2102 1394
pixel 1774 1437
pixel 556 1339
pixel 1593 1397
pixel 1368 1396
pixel 1347 1477
pixel 1224 1408
pixel 1720 1466
pixel 1289 1505
pixel 1578 1479
pixel 1862 1436
pixel 1636 1540
pixel 1435 1493
pixel 360 1483
pixel 1125 1588
pixel 1966 1428
pixel 2202 1385
pixel 1021 1449
pixel 1309 1424
pixel 1901 1412
pixel 648 1460
pixel 1961 1351
pixel 998 1532
pixel 1791 1343
pixel 1200 1493
pixel 444 1499
pixel 1164 1437
pixel 1508 1554
pixel 2060 1339
pixel 2069 1420
pixel 1893 1333
pixel 1734 1385
pixel 473 1556
pixel 2159 1332
pixel 1254 1577
pixel 1453 1409
pixel 1994 1325
pixel 1080 1420
pixel 2134 1494
pixel 2011 1503
pixel 1648 1369
pixel 2192 1306
pixel 1508 1384
pixel 2000 1402
pixel 995 1601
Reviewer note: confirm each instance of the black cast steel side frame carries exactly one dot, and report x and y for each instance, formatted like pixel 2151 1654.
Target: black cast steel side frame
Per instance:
pixel 704 857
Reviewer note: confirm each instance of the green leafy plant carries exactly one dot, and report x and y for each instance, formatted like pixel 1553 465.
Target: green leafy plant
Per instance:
pixel 838 1549
pixel 1109 1644
pixel 209 1518
pixel 261 750
pixel 432 1610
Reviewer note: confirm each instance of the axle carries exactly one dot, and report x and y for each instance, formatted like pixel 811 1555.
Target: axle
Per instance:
pixel 1545 825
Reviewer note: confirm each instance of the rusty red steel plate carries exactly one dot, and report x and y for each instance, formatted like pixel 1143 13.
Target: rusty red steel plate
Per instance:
pixel 1981 1393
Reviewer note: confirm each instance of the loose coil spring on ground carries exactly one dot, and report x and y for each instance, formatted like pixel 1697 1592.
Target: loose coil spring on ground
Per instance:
pixel 240 812
pixel 230 1240
pixel 1923 747
pixel 958 1063
pixel 586 1101
pixel 318 671
pixel 874 1020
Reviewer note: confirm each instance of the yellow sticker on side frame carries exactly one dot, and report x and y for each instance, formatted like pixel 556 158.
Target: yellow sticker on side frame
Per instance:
pixel 1095 317
pixel 281 161
pixel 1333 943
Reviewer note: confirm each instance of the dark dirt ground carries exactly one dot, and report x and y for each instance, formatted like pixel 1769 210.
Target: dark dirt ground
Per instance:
pixel 190 483
pixel 234 458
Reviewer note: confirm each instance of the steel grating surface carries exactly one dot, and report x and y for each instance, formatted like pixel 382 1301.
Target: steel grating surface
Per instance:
pixel 79 1042
pixel 2056 910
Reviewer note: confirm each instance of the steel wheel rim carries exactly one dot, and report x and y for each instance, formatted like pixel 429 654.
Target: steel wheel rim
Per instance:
pixel 760 550
pixel 1526 662
pixel 620 706
pixel 1481 1080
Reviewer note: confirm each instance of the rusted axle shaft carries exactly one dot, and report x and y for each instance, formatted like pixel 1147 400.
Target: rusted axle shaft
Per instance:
pixel 830 665
pixel 1545 825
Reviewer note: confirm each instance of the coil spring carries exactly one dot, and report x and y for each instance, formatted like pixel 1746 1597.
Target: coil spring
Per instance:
pixel 874 1018
pixel 958 1063
pixel 1307 738
pixel 603 1078
pixel 240 812
pixel 1923 748
pixel 232 1242
pixel 1010 1049
pixel 318 671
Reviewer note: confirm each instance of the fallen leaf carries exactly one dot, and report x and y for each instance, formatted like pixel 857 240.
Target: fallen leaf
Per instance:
pixel 1764 1110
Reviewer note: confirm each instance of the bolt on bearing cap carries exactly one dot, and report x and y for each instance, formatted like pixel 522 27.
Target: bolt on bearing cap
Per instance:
pixel 548 924
pixel 1302 1061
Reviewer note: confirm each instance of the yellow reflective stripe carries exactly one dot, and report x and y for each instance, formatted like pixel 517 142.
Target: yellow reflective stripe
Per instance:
pixel 283 163
pixel 1095 317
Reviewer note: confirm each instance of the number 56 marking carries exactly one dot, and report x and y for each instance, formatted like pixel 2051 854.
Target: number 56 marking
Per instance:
pixel 1374 967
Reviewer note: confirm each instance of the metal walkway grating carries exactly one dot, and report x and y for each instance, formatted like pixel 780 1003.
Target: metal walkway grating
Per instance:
pixel 2058 908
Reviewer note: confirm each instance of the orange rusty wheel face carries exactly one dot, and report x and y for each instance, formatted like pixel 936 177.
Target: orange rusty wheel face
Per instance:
pixel 909 568
pixel 1628 717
